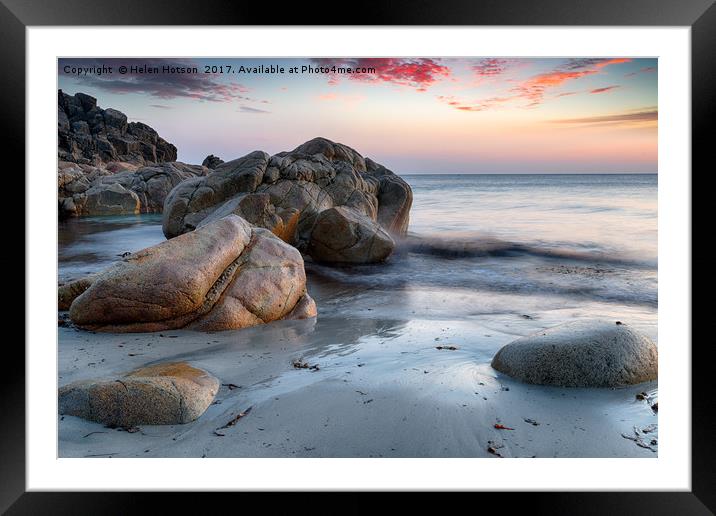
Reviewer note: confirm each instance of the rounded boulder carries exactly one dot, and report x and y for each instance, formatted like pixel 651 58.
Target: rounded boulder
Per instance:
pixel 341 235
pixel 162 394
pixel 589 353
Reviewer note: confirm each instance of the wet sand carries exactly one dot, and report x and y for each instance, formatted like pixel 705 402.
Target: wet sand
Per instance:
pixel 382 388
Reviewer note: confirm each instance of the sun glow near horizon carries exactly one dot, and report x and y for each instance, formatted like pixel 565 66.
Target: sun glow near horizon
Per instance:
pixel 415 115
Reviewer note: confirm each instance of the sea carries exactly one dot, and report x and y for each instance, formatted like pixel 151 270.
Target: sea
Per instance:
pixel 574 245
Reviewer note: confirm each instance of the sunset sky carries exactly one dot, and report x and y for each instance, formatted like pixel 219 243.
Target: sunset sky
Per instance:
pixel 414 115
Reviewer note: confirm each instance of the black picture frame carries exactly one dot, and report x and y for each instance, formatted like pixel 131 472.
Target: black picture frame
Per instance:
pixel 700 15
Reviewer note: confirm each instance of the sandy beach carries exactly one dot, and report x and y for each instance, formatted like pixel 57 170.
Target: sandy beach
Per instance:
pixel 381 388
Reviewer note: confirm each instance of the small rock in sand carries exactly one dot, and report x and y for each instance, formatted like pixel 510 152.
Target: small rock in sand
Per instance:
pixel 302 364
pixel 162 394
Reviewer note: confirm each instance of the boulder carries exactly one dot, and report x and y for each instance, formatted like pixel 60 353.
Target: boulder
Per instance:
pixel 304 309
pixel 341 235
pixel 225 275
pixel 153 183
pixel 192 201
pixel 259 211
pixel 212 161
pixel 70 291
pixel 111 199
pixel 394 199
pixel 587 353
pixel 163 394
pixel 115 119
pixel 82 189
pixel 297 187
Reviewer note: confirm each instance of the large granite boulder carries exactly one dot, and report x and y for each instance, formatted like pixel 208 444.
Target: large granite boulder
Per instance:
pixel 301 184
pixel 111 199
pixel 341 235
pixel 162 394
pixel 259 211
pixel 225 275
pixel 89 134
pixel 119 188
pixel 588 353
pixel 192 201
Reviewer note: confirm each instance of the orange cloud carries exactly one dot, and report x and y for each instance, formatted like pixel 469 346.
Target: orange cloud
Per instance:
pixel 534 89
pixel 480 105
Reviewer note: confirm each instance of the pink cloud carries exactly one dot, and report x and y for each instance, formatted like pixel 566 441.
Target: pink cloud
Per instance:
pixel 418 73
pixel 490 67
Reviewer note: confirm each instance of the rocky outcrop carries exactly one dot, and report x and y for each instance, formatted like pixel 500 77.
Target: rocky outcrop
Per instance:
pixel 91 135
pixel 119 188
pixel 590 353
pixel 162 394
pixel 109 166
pixel 288 192
pixel 225 275
pixel 212 161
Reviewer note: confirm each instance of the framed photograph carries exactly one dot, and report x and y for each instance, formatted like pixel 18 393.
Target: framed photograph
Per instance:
pixel 439 248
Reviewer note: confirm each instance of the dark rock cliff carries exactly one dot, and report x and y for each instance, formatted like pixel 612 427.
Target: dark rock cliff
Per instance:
pixel 91 135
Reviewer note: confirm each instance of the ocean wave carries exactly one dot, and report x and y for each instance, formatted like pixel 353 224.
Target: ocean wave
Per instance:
pixel 494 265
pixel 495 247
pixel 604 285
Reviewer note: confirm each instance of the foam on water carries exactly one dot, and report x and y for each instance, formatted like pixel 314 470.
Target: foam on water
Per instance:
pixel 579 237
